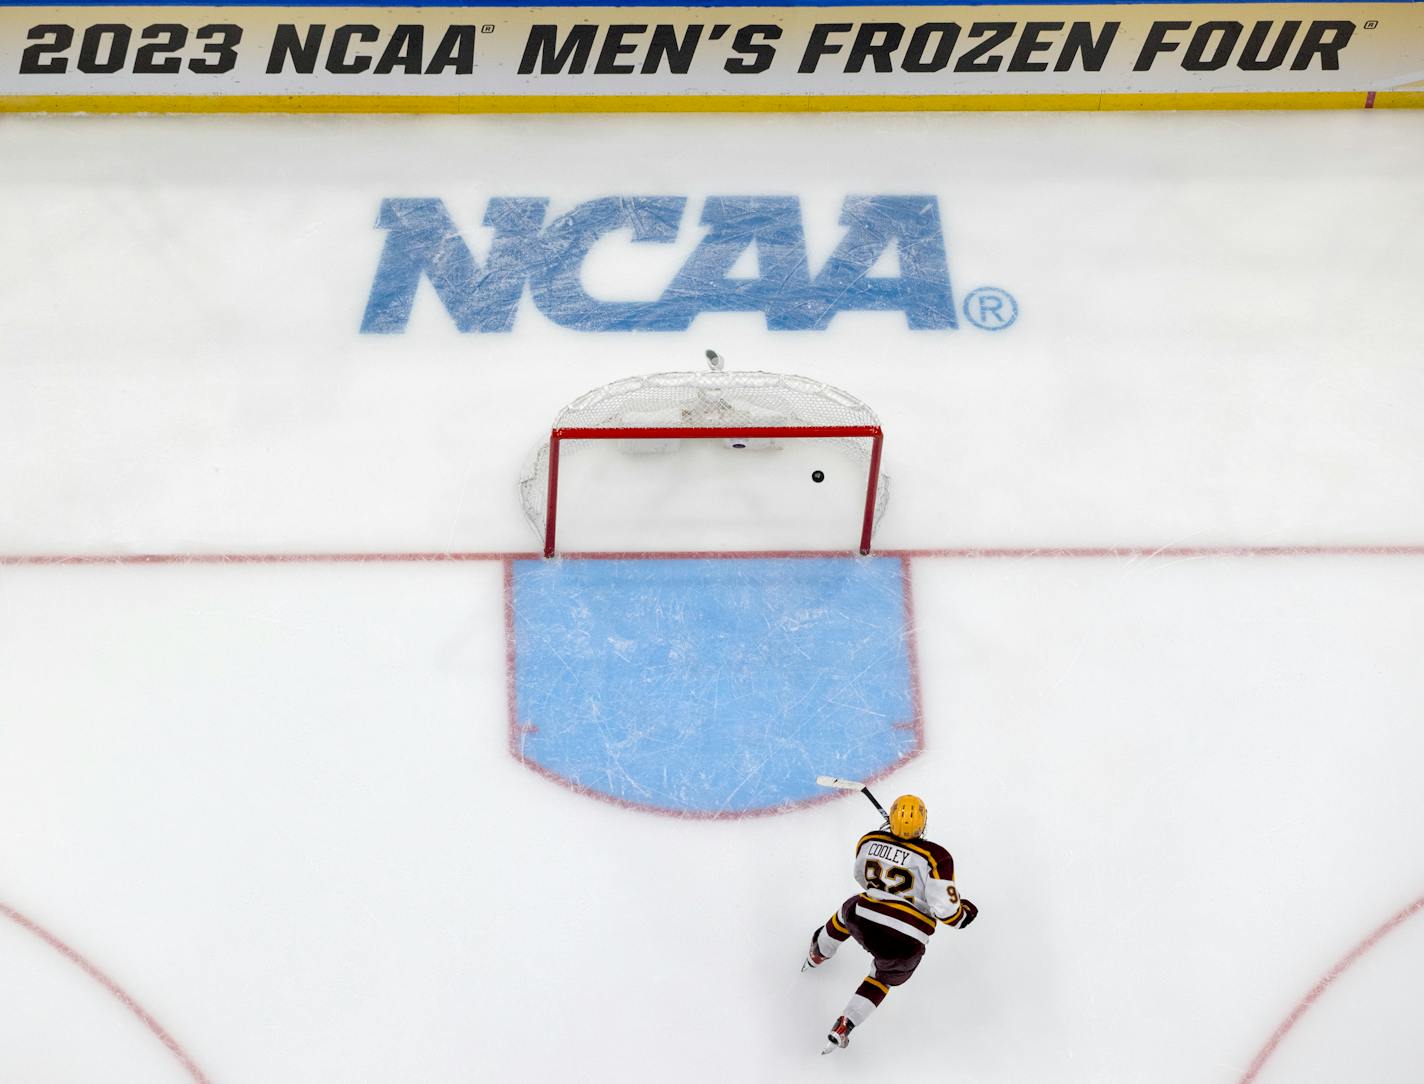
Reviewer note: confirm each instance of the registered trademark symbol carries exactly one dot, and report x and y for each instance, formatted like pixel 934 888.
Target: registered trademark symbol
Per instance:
pixel 1370 24
pixel 991 308
pixel 488 28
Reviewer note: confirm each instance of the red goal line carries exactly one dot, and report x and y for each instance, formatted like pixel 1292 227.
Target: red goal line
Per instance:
pixel 1001 553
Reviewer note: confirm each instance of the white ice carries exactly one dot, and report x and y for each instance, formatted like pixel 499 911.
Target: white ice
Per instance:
pixel 274 803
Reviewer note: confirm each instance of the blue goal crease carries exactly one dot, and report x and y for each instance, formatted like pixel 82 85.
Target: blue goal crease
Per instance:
pixel 712 686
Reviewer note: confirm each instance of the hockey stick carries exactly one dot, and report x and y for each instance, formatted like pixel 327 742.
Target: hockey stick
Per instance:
pixel 851 784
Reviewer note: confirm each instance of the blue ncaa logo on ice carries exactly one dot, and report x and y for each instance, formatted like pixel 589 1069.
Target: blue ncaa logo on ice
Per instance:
pixel 991 308
pixel 529 250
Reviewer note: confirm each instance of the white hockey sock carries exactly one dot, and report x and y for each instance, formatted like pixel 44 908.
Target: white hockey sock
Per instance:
pixel 826 944
pixel 858 1008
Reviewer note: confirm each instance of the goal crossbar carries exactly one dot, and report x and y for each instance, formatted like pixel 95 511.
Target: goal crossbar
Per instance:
pixel 558 435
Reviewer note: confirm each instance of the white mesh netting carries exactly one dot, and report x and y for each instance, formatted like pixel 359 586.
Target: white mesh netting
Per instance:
pixel 706 400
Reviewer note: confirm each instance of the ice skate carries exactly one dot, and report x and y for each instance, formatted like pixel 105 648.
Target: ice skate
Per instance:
pixel 839 1035
pixel 814 957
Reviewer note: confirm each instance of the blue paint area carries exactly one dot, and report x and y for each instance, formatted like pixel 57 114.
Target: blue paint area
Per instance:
pixel 712 685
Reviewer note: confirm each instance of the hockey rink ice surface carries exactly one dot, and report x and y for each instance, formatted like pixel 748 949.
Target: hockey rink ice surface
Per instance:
pixel 312 770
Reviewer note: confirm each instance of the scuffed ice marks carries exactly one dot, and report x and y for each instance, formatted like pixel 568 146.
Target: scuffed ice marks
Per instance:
pixel 793 623
pixel 711 686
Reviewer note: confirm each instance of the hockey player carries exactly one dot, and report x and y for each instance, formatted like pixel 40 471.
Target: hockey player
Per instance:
pixel 909 886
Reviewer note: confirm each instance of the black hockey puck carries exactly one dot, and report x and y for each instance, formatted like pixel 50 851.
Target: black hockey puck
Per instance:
pixel 818 476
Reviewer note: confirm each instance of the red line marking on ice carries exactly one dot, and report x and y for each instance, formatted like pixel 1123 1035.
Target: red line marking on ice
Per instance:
pixel 701 814
pixel 511 692
pixel 1009 553
pixel 1324 984
pixel 1140 552
pixel 110 985
pixel 912 654
pixel 250 558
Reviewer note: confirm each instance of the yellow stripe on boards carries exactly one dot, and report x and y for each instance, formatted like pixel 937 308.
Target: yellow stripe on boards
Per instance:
pixel 711 103
pixel 1399 99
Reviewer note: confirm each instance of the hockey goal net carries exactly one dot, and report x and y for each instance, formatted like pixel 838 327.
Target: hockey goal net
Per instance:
pixel 744 410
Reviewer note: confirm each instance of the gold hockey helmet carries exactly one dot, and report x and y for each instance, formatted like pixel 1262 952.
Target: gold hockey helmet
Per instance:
pixel 908 817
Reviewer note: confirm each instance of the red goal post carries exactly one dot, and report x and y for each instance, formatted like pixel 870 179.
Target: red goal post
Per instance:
pixel 665 408
pixel 768 432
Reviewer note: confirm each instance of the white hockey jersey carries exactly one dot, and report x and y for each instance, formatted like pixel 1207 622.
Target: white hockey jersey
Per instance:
pixel 910 880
